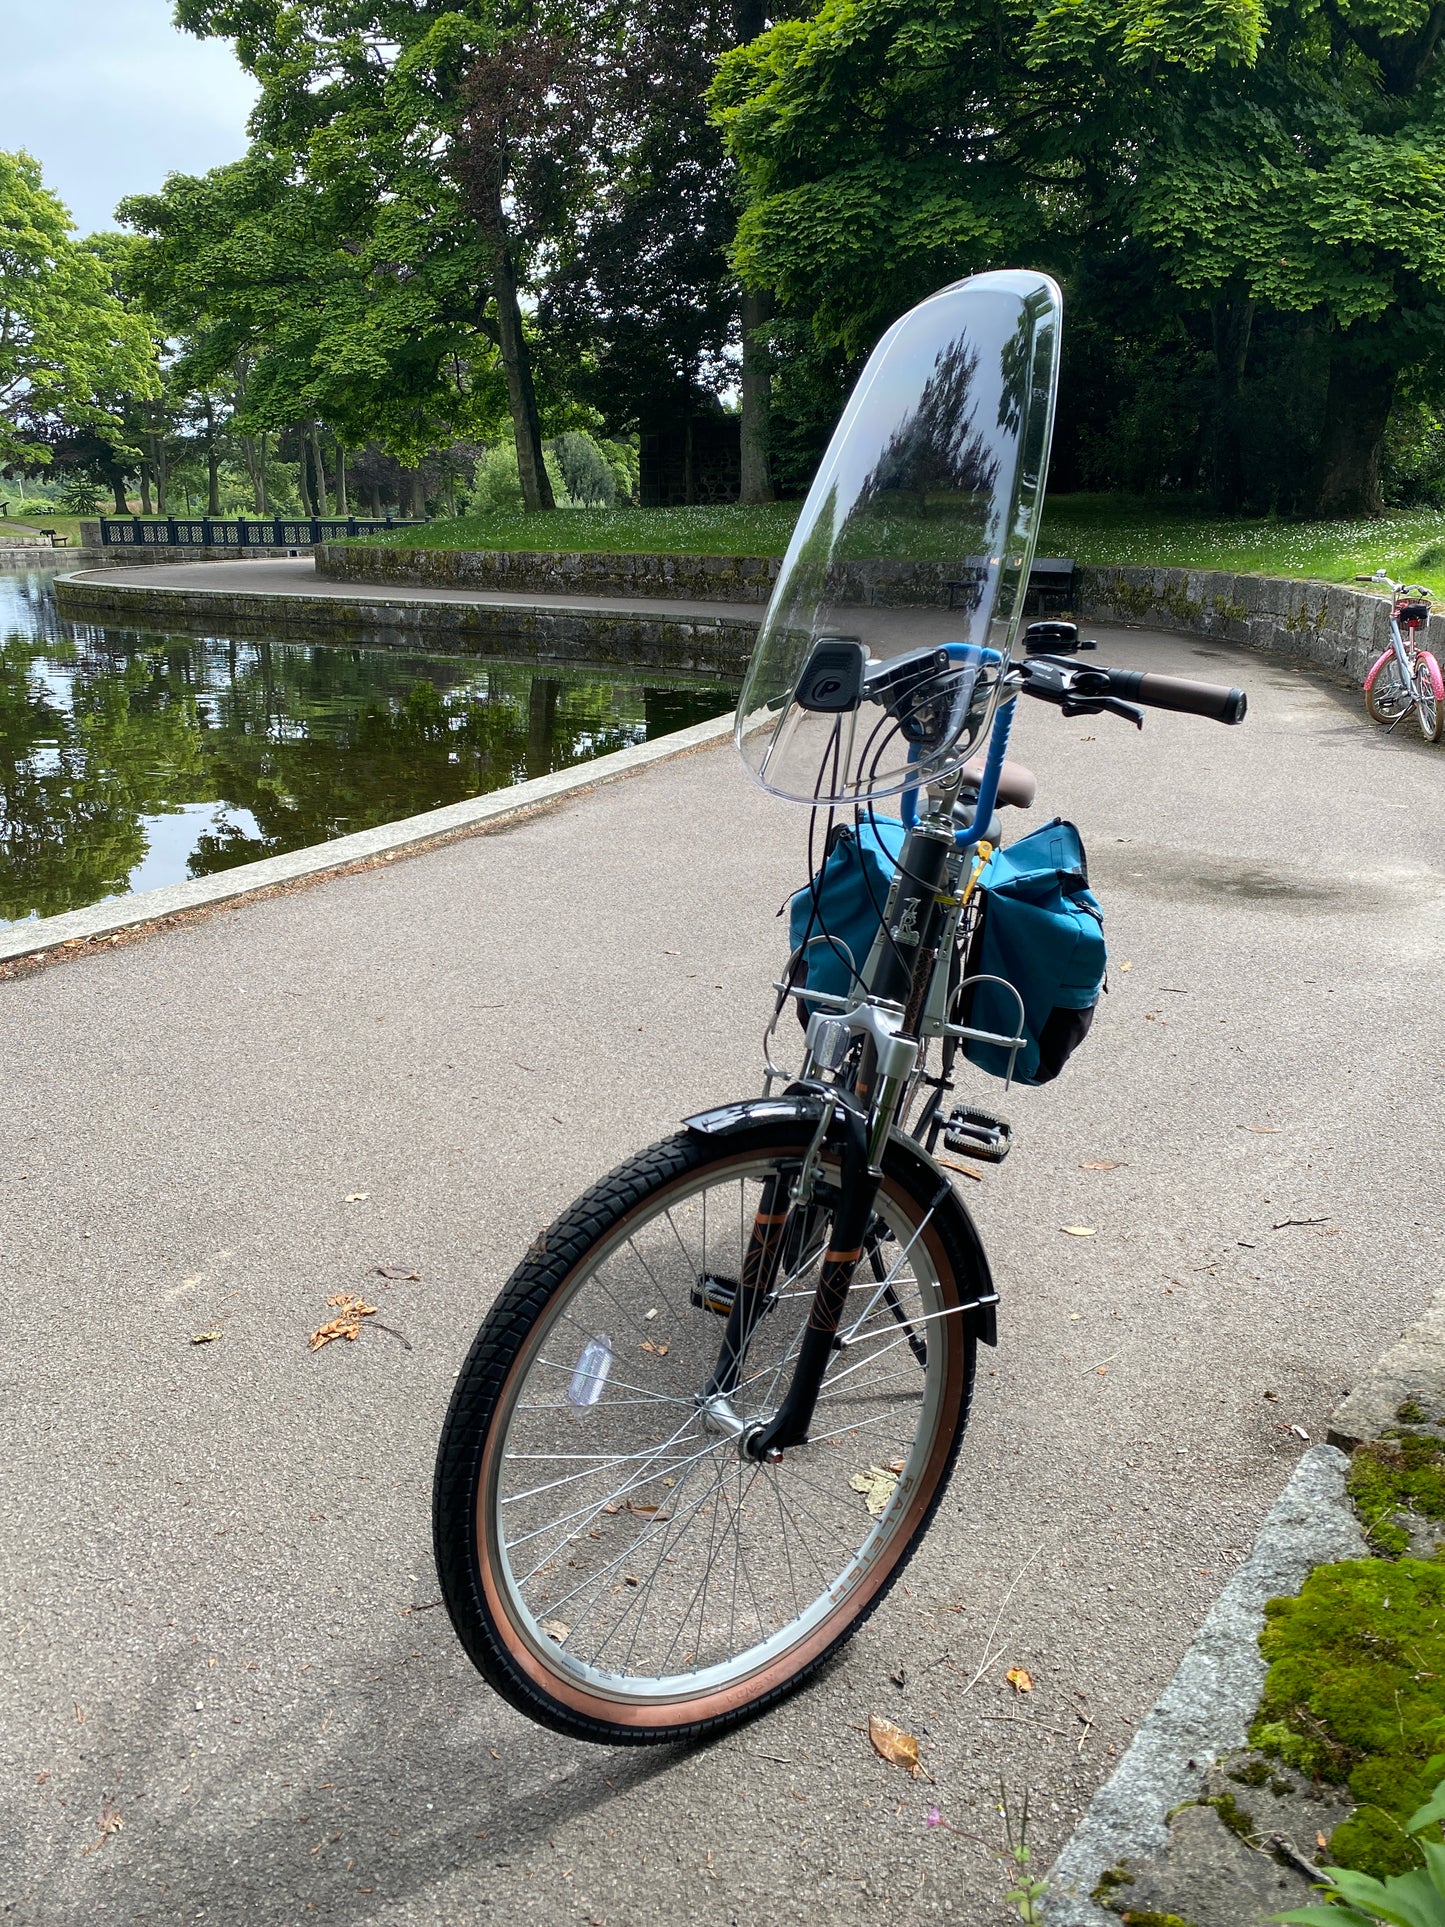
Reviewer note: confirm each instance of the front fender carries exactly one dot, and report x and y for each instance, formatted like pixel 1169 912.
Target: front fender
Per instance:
pixel 725 1120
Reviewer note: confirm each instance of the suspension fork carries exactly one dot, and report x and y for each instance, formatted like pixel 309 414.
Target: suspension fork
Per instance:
pixel 859 1187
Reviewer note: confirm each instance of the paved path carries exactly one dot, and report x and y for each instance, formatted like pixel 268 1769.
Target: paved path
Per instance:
pixel 212 1553
pixel 296 576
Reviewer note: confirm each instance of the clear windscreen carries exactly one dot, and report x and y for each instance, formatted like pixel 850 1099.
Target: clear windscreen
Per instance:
pixel 876 667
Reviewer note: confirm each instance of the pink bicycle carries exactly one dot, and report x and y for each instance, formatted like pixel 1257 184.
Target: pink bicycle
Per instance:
pixel 1406 680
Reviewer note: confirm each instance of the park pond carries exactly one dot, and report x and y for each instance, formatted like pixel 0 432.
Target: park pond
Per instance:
pixel 130 759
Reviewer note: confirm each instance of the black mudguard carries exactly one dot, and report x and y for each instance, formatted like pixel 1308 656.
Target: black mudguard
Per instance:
pixel 807 1106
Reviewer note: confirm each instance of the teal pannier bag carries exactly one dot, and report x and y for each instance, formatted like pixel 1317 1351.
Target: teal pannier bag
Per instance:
pixel 851 889
pixel 1041 929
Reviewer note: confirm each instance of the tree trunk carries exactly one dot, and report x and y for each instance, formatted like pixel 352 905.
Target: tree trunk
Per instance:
pixel 213 463
pixel 416 489
pixel 689 466
pixel 517 361
pixel 323 506
pixel 163 472
pixel 1357 408
pixel 145 488
pixel 117 489
pixel 341 508
pixel 755 482
pixel 263 487
pixel 1233 322
pixel 303 476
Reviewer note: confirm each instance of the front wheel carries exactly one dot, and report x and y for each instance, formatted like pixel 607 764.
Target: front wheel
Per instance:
pixel 612 1562
pixel 1387 694
pixel 1429 698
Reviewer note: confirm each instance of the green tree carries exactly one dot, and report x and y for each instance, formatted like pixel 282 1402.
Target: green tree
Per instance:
pixel 1279 167
pixel 67 346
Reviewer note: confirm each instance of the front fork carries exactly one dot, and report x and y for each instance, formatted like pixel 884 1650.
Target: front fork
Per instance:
pixel 862 1120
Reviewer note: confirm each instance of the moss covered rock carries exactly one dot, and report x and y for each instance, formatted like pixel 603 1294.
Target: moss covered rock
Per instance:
pixel 1356 1695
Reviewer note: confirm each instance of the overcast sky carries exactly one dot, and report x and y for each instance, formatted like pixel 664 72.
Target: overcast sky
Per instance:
pixel 110 98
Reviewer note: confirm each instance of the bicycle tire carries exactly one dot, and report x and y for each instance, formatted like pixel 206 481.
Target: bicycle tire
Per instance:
pixel 540 1663
pixel 1429 698
pixel 1387 695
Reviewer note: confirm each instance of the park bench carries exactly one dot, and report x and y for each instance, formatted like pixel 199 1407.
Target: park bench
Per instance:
pixel 57 541
pixel 1051 579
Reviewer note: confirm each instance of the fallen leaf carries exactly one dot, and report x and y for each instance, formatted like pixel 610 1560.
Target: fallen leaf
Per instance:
pixel 1102 1164
pixel 206 1338
pixel 398 1271
pixel 557 1629
pixel 110 1822
pixel 356 1197
pixel 876 1485
pixel 347 1324
pixel 964 1170
pixel 1320 1840
pixel 647 1511
pixel 1126 966
pixel 891 1743
pixel 1079 1230
pixel 1020 1678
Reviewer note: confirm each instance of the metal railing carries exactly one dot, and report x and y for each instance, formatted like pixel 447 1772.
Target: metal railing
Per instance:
pixel 237 531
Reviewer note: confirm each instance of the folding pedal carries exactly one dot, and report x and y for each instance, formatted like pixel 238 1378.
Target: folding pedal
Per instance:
pixel 714 1294
pixel 978 1134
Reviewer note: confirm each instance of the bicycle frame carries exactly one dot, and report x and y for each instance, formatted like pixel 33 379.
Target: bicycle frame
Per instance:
pixel 1406 655
pixel 892 1016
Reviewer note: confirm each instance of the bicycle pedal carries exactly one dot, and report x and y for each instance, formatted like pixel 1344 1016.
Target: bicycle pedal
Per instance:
pixel 714 1294
pixel 978 1134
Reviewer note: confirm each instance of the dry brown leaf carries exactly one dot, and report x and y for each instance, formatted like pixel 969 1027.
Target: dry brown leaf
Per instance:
pixel 1079 1230
pixel 1020 1678
pixel 206 1338
pixel 964 1170
pixel 876 1485
pixel 347 1324
pixel 891 1743
pixel 1126 966
pixel 398 1271
pixel 1102 1164
pixel 557 1629
pixel 110 1822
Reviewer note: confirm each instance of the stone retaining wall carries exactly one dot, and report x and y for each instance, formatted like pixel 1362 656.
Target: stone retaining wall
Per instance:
pixel 683 578
pixel 716 646
pixel 1341 630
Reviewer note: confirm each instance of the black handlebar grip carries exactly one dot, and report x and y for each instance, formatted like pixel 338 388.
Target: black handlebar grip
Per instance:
pixel 1210 699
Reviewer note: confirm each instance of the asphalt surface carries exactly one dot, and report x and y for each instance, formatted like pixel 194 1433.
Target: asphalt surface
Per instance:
pixel 228 1694
pixel 296 576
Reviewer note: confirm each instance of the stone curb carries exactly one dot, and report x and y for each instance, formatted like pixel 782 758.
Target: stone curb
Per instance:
pixel 319 859
pixel 1206 1709
pixel 1412 1371
pixel 702 644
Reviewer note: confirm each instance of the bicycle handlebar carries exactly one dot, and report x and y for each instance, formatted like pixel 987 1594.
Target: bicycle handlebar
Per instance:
pixel 1074 686
pixel 1180 693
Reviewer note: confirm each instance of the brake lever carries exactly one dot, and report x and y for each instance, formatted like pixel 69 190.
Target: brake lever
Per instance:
pixel 1097 705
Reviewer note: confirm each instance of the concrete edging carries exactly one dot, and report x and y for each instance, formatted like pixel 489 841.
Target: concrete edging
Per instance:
pixel 700 645
pixel 410 834
pixel 1206 1709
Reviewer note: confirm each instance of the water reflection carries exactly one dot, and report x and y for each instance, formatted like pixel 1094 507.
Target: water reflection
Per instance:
pixel 130 759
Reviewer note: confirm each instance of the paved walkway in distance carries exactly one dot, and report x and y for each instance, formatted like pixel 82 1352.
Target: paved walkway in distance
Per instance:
pixel 296 576
pixel 217 1600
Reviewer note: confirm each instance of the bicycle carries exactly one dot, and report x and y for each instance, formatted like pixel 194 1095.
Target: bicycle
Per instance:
pixel 717 1404
pixel 1406 679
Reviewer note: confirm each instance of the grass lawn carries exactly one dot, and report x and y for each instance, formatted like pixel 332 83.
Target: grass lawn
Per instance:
pixel 62 524
pixel 1091 528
